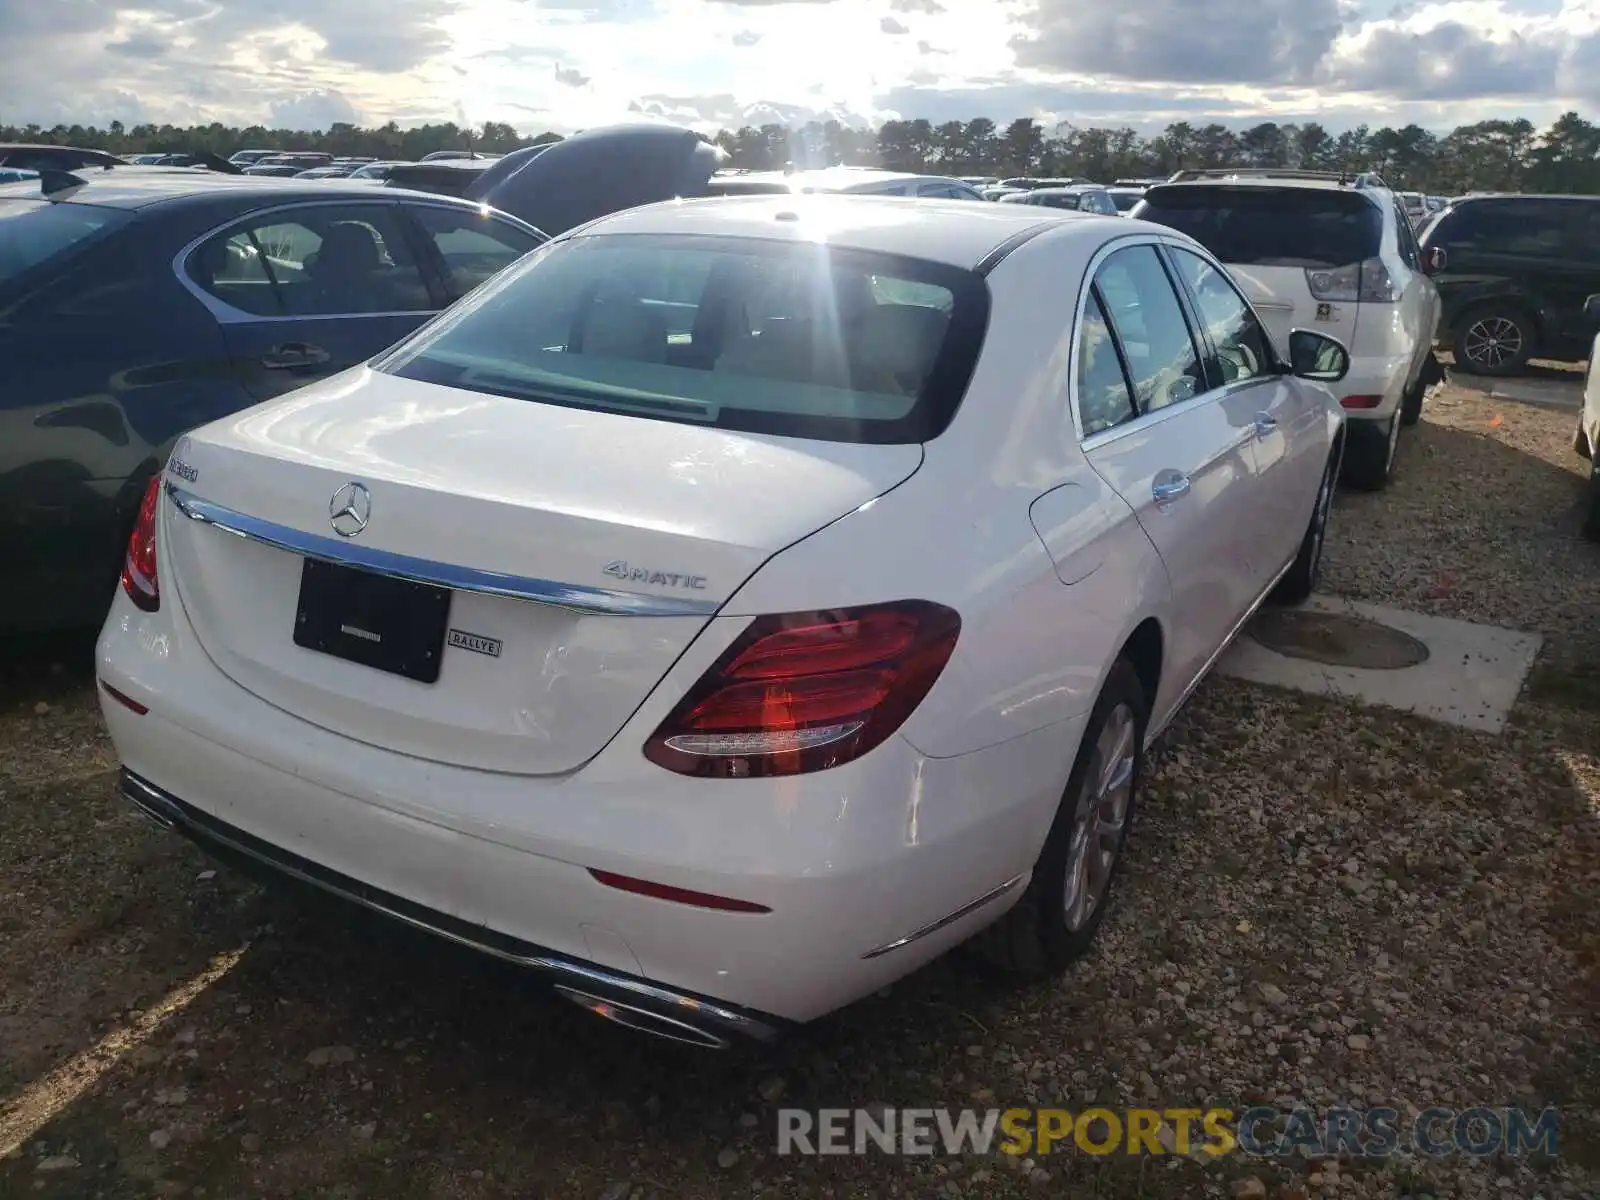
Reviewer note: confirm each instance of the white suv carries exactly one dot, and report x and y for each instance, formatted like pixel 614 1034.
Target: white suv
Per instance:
pixel 1330 253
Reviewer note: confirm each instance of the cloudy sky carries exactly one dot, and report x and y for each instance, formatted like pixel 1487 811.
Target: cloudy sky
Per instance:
pixel 565 64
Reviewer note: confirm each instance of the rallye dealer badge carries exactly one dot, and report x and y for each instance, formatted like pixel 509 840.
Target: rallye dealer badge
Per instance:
pixel 1324 312
pixel 475 642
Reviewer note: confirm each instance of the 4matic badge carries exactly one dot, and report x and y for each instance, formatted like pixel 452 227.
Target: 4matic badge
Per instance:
pixel 619 569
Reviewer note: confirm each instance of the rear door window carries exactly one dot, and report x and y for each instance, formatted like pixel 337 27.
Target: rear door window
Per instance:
pixel 1580 230
pixel 35 233
pixel 471 245
pixel 1163 361
pixel 1242 347
pixel 1272 227
pixel 314 261
pixel 1525 228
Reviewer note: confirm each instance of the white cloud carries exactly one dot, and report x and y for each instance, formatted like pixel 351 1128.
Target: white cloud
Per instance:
pixel 565 64
pixel 314 110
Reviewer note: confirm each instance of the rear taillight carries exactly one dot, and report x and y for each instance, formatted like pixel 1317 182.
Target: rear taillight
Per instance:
pixel 1366 281
pixel 803 692
pixel 139 567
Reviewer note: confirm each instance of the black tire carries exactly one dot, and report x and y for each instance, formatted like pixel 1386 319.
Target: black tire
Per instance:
pixel 1591 517
pixel 1580 442
pixel 1494 340
pixel 1296 587
pixel 1411 403
pixel 1369 453
pixel 1035 939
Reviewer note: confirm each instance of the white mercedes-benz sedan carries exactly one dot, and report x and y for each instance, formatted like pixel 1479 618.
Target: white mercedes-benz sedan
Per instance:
pixel 734 604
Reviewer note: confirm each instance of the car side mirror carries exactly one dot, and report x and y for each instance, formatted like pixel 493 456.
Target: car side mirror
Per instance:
pixel 1434 260
pixel 1591 308
pixel 1317 356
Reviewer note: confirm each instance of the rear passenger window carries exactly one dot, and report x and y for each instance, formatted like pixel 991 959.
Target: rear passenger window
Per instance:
pixel 1143 309
pixel 330 260
pixel 1243 351
pixel 472 246
pixel 1103 398
pixel 1530 228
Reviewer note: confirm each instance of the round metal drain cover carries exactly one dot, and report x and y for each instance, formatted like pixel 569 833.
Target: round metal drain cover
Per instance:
pixel 1337 640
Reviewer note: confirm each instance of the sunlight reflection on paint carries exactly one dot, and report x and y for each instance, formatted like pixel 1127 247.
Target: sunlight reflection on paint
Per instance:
pixel 42 1100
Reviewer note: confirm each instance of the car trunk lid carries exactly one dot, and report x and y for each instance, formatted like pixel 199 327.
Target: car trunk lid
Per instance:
pixel 630 532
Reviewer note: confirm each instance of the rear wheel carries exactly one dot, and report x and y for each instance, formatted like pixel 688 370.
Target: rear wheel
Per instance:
pixel 1296 587
pixel 1055 921
pixel 1494 339
pixel 1411 403
pixel 1591 519
pixel 1369 452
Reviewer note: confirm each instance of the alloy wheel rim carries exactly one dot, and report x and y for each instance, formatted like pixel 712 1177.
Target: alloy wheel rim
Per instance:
pixel 1493 341
pixel 1102 818
pixel 1394 443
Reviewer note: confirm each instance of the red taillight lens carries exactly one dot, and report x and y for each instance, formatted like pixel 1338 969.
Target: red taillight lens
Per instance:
pixel 139 567
pixel 806 691
pixel 1361 401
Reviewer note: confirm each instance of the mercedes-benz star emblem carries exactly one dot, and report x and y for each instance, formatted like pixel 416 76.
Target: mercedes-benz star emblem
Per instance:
pixel 349 509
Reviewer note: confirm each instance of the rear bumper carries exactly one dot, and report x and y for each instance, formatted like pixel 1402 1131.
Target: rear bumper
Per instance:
pixel 868 870
pixel 698 1019
pixel 1375 375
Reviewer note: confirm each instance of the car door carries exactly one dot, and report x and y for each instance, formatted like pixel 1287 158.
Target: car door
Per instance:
pixel 104 360
pixel 1184 464
pixel 1286 418
pixel 1575 274
pixel 308 290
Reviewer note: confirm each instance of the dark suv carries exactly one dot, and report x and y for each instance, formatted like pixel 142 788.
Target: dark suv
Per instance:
pixel 1519 269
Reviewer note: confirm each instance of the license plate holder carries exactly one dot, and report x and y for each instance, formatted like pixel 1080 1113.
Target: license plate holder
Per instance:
pixel 391 625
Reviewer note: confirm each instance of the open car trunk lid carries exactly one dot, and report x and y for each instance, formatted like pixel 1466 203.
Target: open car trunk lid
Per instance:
pixel 571 555
pixel 592 174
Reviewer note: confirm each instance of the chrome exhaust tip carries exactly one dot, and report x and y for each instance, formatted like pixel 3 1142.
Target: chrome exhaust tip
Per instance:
pixel 643 1020
pixel 149 802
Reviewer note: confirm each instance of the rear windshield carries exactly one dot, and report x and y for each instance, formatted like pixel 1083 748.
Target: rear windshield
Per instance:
pixel 792 338
pixel 1271 227
pixel 35 232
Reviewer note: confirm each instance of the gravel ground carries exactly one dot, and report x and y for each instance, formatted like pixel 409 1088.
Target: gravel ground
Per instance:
pixel 1322 904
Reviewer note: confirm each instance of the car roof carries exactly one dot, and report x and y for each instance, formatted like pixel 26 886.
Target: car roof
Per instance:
pixel 1479 196
pixel 133 187
pixel 1264 181
pixel 956 232
pixel 831 176
pixel 1070 189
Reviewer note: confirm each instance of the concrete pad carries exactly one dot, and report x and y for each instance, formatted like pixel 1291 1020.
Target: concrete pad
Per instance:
pixel 1471 678
pixel 1541 392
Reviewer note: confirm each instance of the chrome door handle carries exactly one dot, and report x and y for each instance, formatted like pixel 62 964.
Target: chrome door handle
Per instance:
pixel 1169 485
pixel 1265 424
